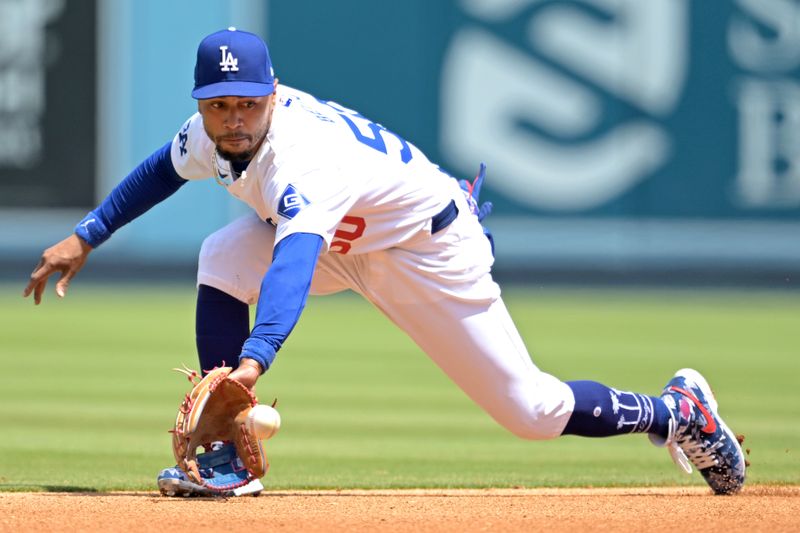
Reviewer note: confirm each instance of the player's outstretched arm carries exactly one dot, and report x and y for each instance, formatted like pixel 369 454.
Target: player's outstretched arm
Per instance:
pixel 67 257
pixel 154 180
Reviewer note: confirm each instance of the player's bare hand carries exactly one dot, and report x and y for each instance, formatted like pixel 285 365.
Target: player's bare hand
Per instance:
pixel 67 257
pixel 247 373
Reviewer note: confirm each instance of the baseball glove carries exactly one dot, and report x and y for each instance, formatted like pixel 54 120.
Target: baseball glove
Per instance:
pixel 216 410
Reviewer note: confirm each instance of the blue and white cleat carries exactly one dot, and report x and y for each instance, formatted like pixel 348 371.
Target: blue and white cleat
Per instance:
pixel 699 436
pixel 222 471
pixel 173 482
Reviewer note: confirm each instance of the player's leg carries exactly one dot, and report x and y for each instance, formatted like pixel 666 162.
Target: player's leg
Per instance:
pixel 439 290
pixel 484 355
pixel 464 327
pixel 477 346
pixel 222 324
pixel 684 418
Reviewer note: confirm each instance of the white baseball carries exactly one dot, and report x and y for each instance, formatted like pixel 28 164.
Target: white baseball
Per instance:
pixel 264 421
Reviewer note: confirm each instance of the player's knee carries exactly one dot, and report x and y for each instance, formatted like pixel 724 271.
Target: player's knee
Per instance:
pixel 540 412
pixel 213 247
pixel 535 429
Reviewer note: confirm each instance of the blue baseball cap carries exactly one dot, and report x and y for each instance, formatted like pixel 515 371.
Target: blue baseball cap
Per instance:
pixel 232 63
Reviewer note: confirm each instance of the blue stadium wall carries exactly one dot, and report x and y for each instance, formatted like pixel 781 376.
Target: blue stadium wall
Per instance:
pixel 632 138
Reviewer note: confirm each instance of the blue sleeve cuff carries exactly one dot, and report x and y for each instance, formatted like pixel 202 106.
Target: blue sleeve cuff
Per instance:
pixel 260 351
pixel 154 180
pixel 93 230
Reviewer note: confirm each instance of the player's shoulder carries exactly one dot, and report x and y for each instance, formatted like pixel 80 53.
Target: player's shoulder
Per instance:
pixel 296 109
pixel 193 126
pixel 191 149
pixel 305 124
pixel 192 135
pixel 287 95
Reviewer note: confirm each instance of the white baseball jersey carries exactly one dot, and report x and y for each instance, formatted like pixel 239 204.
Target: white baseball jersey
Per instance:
pixel 326 170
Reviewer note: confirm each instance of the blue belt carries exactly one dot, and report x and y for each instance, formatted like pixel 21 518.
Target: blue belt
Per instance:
pixel 444 217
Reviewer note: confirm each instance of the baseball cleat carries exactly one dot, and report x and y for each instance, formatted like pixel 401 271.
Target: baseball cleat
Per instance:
pixel 698 436
pixel 173 482
pixel 253 488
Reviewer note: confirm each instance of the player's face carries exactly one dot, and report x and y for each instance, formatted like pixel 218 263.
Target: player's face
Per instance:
pixel 237 124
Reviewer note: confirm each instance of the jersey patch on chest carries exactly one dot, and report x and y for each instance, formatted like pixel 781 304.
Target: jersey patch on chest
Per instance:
pixel 291 202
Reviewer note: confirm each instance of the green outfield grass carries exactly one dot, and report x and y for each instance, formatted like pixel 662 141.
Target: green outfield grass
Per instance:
pixel 87 395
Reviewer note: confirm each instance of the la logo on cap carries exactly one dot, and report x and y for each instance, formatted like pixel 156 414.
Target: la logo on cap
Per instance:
pixel 218 71
pixel 228 63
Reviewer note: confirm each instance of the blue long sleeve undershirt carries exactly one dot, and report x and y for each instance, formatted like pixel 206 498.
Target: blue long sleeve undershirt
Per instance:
pixel 153 181
pixel 284 291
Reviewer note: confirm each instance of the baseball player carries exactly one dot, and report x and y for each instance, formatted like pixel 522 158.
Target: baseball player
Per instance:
pixel 340 202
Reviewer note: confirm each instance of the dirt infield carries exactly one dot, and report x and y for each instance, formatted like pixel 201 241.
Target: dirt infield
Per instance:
pixel 755 509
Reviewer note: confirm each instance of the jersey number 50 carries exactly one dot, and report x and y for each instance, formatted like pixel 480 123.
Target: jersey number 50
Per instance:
pixel 376 141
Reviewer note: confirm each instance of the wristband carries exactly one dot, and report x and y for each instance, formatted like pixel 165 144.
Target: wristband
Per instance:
pixel 92 230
